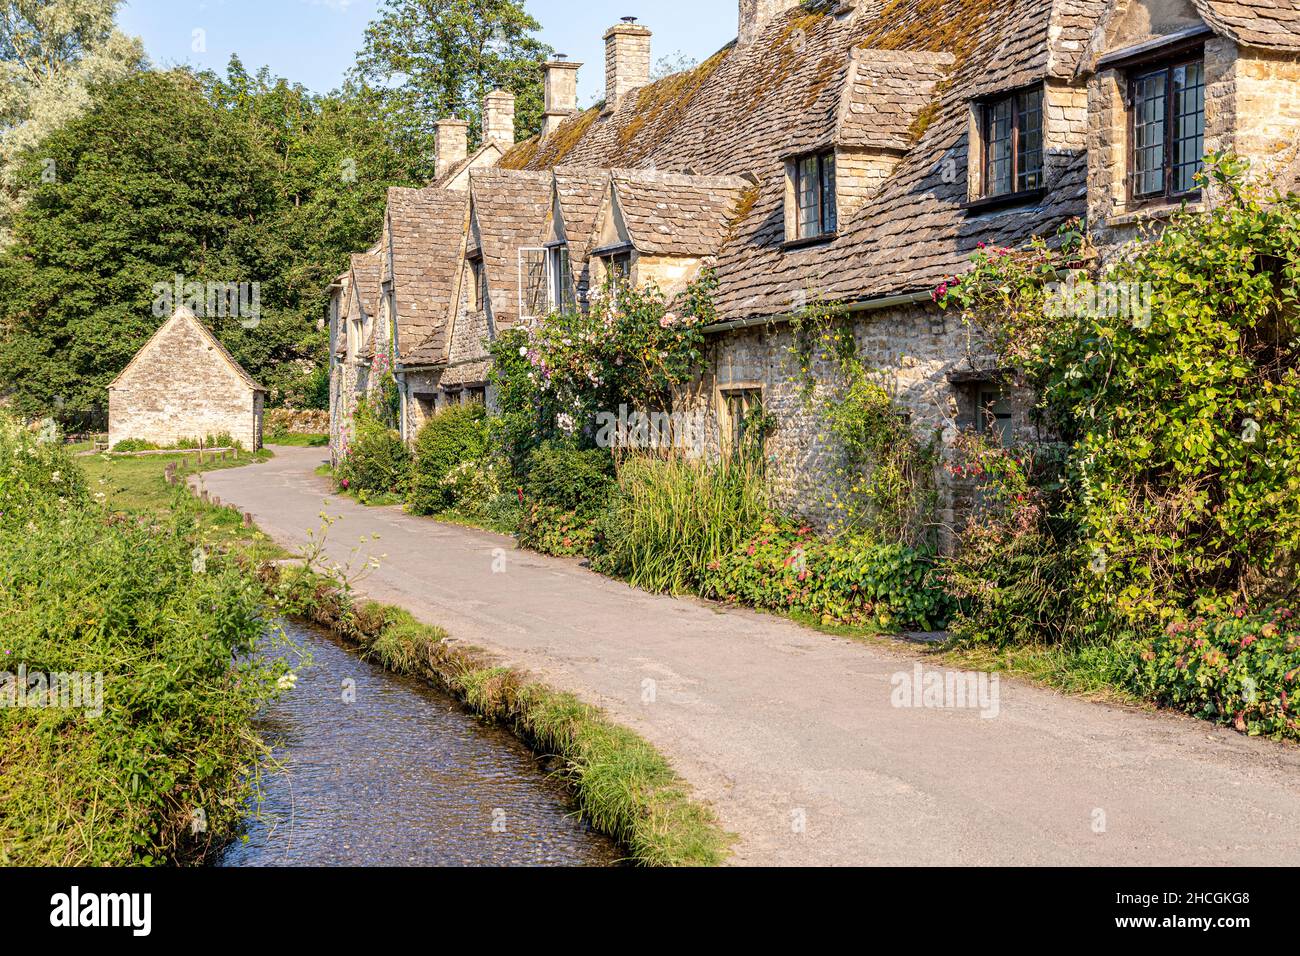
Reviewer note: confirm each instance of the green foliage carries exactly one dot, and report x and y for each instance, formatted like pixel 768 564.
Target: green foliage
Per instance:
pixel 377 462
pixel 237 179
pixel 884 482
pixel 37 474
pixel 428 59
pixel 166 635
pixel 454 437
pixel 631 349
pixel 672 517
pixel 570 480
pixel 850 580
pixel 1183 413
pixel 129 445
pixel 151 182
pixel 51 52
pixel 1017 567
pixel 564 496
pixel 1228 666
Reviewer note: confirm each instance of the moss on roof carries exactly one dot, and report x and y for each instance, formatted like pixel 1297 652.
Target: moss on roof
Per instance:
pixel 552 151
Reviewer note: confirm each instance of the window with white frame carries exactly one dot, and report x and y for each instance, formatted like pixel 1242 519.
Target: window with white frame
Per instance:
pixel 532 283
pixel 560 273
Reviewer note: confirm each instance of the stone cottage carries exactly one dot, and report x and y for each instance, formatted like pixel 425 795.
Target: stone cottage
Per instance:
pixel 182 386
pixel 856 151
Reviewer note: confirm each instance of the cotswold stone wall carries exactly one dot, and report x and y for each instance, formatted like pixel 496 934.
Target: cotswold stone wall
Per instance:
pixel 179 388
pixel 296 421
pixel 915 349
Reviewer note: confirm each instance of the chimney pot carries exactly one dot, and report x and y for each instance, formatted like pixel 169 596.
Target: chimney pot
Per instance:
pixel 452 144
pixel 627 60
pixel 561 93
pixel 499 118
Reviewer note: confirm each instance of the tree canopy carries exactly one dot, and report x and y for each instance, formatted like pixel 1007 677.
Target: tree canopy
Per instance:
pixel 431 59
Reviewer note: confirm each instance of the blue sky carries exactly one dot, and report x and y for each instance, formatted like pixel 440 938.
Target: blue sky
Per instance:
pixel 314 41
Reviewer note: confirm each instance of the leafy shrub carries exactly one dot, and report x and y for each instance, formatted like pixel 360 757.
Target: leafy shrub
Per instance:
pixel 673 517
pixel 551 530
pixel 377 461
pixel 130 445
pixel 37 474
pixel 126 603
pixel 1017 570
pixel 472 486
pixel 1227 665
pixel 849 579
pixel 1174 376
pixel 219 440
pixel 570 480
pixel 451 438
pixel 565 494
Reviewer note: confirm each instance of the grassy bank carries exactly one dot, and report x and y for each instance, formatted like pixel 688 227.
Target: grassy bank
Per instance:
pixel 146 755
pixel 622 784
pixel 139 486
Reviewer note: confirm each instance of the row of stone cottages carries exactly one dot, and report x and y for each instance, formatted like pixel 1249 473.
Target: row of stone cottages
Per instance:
pixel 859 151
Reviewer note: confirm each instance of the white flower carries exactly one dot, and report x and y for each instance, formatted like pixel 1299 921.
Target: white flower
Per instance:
pixel 1098 563
pixel 1250 431
pixel 287 681
pixel 523 351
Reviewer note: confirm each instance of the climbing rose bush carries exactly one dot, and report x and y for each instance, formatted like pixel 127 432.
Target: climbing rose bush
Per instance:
pixel 1183 415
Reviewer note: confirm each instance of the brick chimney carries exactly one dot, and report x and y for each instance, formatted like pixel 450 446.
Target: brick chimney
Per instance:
pixel 757 14
pixel 452 142
pixel 561 93
pixel 499 118
pixel 627 60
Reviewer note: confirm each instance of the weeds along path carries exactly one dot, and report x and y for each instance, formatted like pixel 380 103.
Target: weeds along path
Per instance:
pixel 795 737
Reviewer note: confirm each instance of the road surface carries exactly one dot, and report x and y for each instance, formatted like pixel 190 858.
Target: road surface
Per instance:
pixel 796 738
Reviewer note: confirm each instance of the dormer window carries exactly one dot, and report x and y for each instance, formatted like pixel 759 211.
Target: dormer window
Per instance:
pixel 814 193
pixel 1166 130
pixel 1012 131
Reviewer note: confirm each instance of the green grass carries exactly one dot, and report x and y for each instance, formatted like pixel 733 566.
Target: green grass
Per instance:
pixel 289 440
pixel 622 784
pixel 137 485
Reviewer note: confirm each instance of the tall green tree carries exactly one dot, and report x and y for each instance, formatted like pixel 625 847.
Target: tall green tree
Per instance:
pixel 430 59
pixel 333 159
pixel 153 182
pixel 51 51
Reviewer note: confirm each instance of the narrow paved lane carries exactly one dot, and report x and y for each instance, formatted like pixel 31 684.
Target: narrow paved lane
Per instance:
pixel 791 734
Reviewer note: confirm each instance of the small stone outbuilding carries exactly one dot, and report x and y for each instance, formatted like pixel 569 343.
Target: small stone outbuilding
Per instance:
pixel 183 385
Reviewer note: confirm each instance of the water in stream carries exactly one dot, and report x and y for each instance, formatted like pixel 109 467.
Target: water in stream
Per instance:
pixel 402 776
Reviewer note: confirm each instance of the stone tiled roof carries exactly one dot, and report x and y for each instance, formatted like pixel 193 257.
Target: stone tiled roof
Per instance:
pixel 580 193
pixel 185 314
pixel 426 229
pixel 1273 24
pixel 511 209
pixel 749 109
pixel 367 276
pixel 669 214
pixel 886 93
